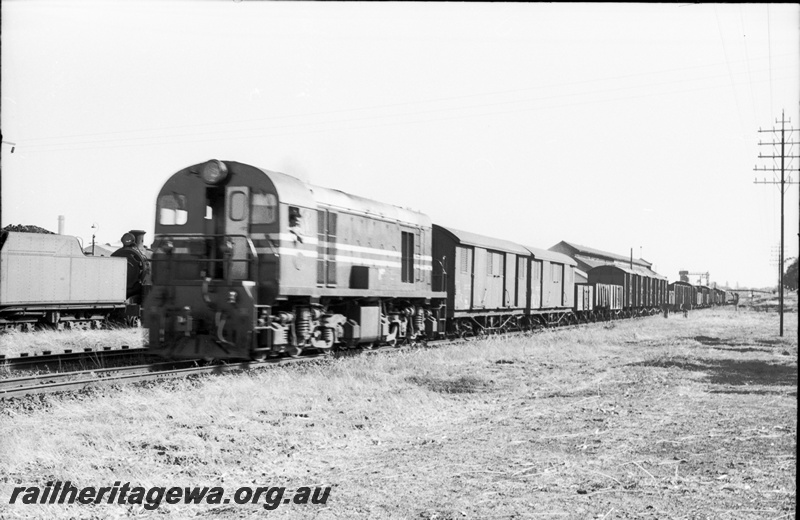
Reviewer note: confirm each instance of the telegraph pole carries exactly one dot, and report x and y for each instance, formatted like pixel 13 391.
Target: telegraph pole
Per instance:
pixel 783 182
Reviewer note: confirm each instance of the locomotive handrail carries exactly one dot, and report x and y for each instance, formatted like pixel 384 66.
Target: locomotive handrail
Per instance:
pixel 252 260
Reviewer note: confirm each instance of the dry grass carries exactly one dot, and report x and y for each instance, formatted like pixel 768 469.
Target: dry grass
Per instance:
pixel 14 343
pixel 676 418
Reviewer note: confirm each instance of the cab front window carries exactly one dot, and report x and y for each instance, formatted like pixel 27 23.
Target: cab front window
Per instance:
pixel 172 210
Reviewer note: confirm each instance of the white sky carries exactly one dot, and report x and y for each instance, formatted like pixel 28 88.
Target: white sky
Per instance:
pixel 614 126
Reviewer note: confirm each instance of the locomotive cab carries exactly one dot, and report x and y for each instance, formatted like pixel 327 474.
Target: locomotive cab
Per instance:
pixel 213 262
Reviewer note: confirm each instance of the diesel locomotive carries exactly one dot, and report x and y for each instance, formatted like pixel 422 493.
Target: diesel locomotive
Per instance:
pixel 249 263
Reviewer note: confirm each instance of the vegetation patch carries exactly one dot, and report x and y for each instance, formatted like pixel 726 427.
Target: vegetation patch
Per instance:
pixel 452 385
pixel 733 372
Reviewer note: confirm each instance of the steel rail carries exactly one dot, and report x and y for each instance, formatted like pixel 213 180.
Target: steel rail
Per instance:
pixel 71 381
pixel 17 363
pixel 58 382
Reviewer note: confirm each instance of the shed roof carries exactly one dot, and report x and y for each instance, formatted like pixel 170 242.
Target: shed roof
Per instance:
pixel 611 267
pixel 644 271
pixel 551 256
pixel 586 251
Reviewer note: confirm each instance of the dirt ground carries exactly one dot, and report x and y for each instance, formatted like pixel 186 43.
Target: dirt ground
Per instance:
pixel 652 418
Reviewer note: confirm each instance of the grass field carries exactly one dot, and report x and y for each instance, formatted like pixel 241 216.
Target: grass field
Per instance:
pixel 652 418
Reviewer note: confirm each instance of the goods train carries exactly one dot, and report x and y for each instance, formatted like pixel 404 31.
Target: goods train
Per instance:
pixel 47 280
pixel 249 263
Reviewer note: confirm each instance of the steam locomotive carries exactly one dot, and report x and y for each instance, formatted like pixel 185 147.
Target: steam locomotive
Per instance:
pixel 249 263
pixel 47 281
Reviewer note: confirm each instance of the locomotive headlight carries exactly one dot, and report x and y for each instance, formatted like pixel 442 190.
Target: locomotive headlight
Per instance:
pixel 232 297
pixel 214 172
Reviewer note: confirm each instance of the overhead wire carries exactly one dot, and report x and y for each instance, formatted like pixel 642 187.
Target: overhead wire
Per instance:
pixel 769 54
pixel 747 63
pixel 387 105
pixel 730 72
pixel 255 132
pixel 325 126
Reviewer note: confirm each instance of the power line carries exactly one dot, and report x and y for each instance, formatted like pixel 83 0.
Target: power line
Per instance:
pixel 32 141
pixel 258 132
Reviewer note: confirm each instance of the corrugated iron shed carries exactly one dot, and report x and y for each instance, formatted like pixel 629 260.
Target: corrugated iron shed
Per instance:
pixel 588 258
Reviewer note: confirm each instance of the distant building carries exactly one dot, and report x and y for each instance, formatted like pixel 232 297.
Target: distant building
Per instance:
pixel 588 258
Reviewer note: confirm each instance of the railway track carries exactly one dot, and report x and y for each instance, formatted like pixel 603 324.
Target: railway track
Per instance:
pixel 78 380
pixel 48 361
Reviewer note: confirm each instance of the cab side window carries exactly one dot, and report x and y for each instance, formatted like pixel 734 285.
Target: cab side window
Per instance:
pixel 265 208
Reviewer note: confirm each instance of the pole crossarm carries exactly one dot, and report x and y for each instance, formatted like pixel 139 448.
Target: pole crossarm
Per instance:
pixel 785 157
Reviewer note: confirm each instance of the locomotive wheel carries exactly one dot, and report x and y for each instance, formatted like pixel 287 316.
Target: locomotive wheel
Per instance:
pixel 294 351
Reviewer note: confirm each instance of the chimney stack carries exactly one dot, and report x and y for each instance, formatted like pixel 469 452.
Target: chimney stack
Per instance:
pixel 61 224
pixel 138 236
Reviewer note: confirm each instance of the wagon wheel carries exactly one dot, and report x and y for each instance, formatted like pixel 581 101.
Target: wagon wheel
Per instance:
pixel 133 321
pixel 394 328
pixel 461 330
pixel 481 332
